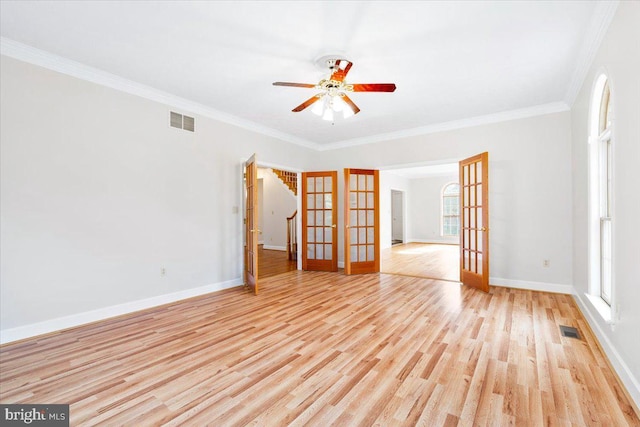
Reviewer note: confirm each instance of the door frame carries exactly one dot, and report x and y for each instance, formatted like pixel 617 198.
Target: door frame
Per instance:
pixel 263 164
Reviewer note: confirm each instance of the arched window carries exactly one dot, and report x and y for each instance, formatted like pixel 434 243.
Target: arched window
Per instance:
pixel 600 192
pixel 451 210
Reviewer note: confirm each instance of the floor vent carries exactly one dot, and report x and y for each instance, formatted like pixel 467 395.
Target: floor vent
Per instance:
pixel 569 332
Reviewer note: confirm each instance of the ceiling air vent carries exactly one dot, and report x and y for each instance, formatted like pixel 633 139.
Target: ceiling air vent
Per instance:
pixel 188 123
pixel 182 122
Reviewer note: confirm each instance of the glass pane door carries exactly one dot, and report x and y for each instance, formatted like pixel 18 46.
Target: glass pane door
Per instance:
pixel 251 233
pixel 474 208
pixel 319 217
pixel 362 219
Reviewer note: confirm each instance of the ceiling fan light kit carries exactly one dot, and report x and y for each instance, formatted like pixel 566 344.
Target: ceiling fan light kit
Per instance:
pixel 333 97
pixel 327 105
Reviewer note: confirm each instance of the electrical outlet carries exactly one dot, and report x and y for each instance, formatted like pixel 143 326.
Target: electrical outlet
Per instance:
pixel 545 263
pixel 163 272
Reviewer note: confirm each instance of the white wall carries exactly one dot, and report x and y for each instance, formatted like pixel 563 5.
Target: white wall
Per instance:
pixel 279 203
pixel 619 57
pixel 98 194
pixel 530 190
pixel 425 209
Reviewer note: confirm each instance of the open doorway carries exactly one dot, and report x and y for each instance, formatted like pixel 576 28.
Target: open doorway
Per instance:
pixel 277 217
pixel 429 244
pixel 397 217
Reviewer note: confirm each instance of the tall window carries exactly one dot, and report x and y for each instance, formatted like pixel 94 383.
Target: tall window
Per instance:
pixel 601 168
pixel 451 210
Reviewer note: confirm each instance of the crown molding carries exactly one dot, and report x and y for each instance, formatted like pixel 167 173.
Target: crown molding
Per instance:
pixel 72 68
pixel 600 20
pixel 537 110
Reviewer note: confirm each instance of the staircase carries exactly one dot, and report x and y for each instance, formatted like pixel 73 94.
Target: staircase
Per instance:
pixel 290 179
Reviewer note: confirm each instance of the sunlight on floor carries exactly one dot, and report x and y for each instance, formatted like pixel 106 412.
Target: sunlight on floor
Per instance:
pixel 430 260
pixel 417 250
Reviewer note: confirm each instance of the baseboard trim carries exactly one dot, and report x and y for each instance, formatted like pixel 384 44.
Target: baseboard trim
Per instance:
pixel 60 323
pixel 532 286
pixel 436 241
pixel 623 371
pixel 274 248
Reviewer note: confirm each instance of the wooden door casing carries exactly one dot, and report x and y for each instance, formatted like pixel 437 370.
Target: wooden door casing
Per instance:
pixel 474 221
pixel 319 219
pixel 362 221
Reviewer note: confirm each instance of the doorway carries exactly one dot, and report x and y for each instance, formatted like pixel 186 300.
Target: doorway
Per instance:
pixel 397 217
pixel 417 243
pixel 277 213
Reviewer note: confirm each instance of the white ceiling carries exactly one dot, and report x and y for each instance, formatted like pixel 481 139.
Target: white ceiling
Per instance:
pixel 451 61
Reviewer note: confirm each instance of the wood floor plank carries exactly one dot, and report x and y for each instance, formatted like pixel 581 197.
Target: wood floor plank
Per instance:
pixel 273 262
pixel 428 260
pixel 320 348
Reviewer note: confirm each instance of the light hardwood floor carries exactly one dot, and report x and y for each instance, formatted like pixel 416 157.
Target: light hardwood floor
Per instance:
pixel 327 349
pixel 429 260
pixel 272 262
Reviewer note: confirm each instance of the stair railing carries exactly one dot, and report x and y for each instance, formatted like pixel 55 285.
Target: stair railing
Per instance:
pixel 292 241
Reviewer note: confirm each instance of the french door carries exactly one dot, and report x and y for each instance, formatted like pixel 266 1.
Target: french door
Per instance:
pixel 251 232
pixel 474 221
pixel 319 218
pixel 362 221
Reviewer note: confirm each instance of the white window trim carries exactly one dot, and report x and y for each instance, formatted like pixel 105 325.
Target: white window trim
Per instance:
pixel 602 308
pixel 606 309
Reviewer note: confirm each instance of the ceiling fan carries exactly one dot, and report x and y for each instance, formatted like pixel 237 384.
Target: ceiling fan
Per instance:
pixel 333 96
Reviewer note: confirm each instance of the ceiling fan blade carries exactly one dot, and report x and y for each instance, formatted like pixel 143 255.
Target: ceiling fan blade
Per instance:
pixel 306 103
pixel 293 84
pixel 351 104
pixel 374 87
pixel 339 74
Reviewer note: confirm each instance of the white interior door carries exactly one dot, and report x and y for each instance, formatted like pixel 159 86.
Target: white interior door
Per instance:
pixel 397 217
